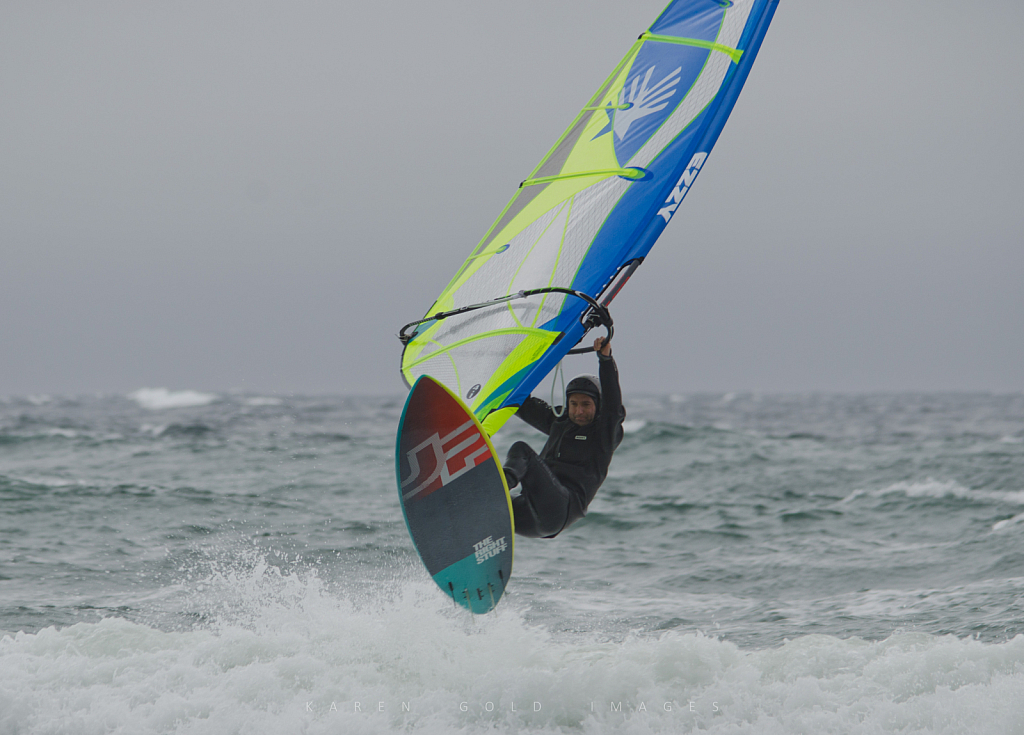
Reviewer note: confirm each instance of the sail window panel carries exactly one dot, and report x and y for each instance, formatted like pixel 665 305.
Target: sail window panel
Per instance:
pixel 470 363
pixel 537 267
pixel 735 22
pixel 510 316
pixel 494 276
pixel 590 211
pixel 465 326
pixel 475 362
pixel 520 202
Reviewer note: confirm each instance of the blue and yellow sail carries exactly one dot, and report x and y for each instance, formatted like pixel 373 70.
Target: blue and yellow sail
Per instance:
pixel 596 203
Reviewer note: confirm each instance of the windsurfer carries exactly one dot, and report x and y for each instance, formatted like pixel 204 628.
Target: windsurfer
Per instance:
pixel 560 482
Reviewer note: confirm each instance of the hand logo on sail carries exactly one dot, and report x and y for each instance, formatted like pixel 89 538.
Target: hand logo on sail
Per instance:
pixel 643 100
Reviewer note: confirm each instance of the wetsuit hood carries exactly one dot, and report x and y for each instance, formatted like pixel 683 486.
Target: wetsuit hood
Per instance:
pixel 588 385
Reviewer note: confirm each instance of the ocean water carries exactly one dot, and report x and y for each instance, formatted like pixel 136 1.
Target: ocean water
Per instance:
pixel 184 562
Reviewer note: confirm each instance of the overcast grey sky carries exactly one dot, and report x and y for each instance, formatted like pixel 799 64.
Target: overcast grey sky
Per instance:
pixel 257 195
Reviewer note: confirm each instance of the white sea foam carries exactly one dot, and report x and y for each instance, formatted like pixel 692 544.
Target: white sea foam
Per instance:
pixel 65 433
pixel 48 481
pixel 286 655
pixel 1008 523
pixel 160 398
pixel 632 426
pixel 263 401
pixel 931 488
pixel 900 606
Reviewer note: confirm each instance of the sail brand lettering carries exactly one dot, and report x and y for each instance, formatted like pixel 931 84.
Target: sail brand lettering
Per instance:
pixel 488 547
pixel 683 186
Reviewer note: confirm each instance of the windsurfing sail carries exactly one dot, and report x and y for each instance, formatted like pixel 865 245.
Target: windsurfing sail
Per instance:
pixel 590 211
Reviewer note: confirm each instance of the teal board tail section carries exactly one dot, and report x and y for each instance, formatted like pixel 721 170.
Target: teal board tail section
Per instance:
pixel 454 497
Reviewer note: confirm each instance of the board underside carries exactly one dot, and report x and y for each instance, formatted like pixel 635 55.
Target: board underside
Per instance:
pixel 454 497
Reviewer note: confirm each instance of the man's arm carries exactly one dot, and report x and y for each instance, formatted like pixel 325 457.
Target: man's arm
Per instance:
pixel 537 414
pixel 612 412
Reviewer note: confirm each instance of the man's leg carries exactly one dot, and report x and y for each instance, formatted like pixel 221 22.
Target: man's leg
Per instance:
pixel 542 506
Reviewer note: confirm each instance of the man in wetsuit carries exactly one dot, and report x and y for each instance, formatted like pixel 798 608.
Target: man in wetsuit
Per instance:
pixel 558 484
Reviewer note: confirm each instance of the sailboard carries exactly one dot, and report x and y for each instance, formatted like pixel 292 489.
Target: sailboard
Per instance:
pixel 454 497
pixel 590 211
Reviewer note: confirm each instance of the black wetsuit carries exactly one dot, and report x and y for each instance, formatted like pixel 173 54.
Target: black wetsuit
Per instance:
pixel 558 484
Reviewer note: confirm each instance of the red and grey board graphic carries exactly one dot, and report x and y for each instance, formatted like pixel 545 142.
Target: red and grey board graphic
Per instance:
pixel 454 497
pixel 451 448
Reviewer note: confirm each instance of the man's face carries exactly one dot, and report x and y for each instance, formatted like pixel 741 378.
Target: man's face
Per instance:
pixel 581 409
